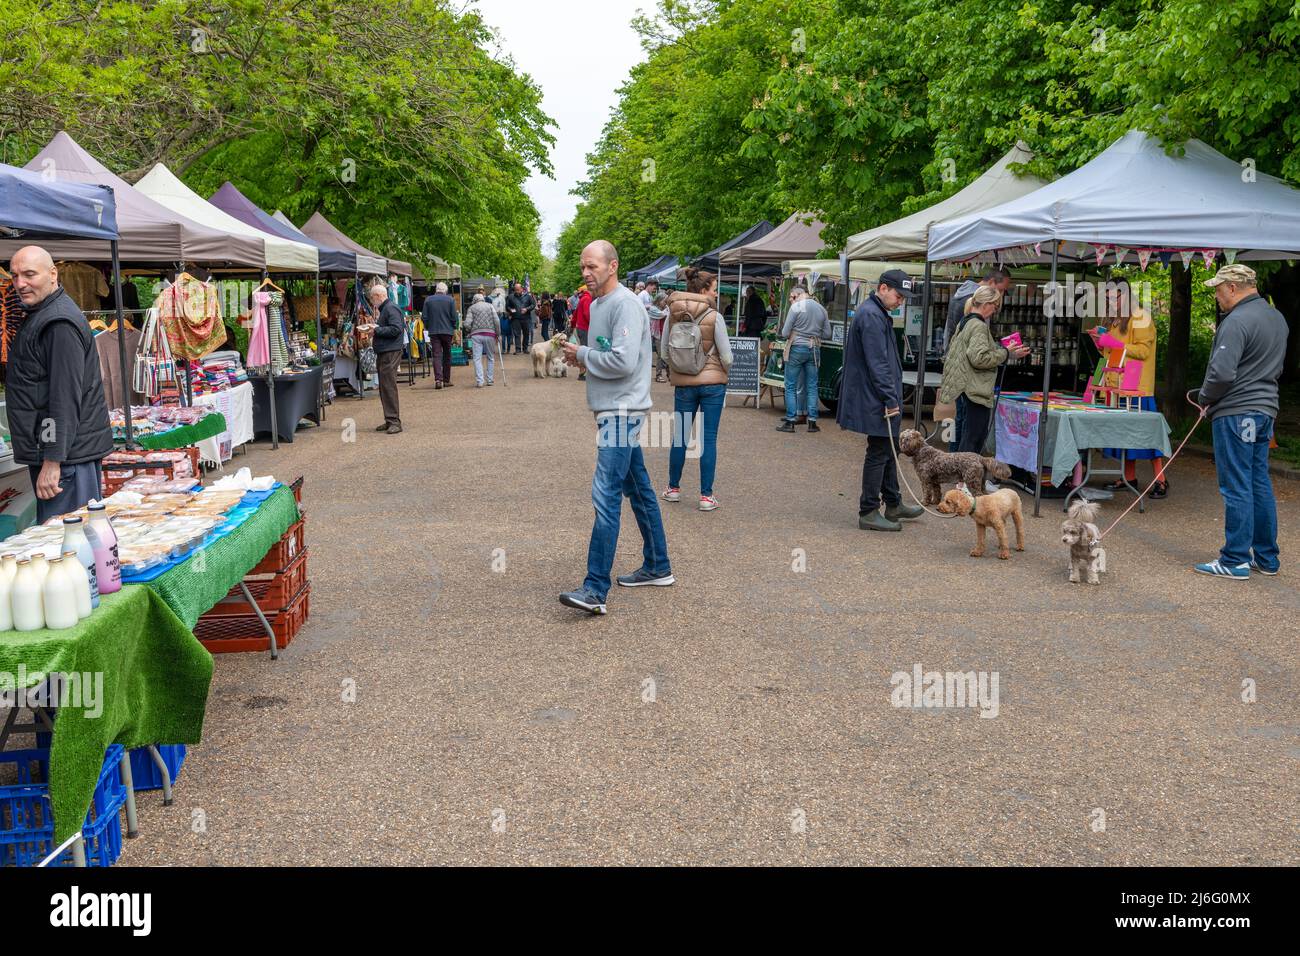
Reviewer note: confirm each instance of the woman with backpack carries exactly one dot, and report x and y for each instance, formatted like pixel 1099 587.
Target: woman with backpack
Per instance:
pixel 695 347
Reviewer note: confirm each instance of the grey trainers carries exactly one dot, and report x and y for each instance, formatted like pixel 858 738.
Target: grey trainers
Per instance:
pixel 583 601
pixel 903 512
pixel 877 522
pixel 642 578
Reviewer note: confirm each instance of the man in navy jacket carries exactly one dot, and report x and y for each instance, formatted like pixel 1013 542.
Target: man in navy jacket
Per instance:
pixel 871 394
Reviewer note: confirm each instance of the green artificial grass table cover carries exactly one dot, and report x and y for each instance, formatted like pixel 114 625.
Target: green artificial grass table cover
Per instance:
pixel 155 677
pixel 209 426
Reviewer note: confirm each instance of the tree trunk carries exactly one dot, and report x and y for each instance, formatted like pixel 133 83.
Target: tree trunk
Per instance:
pixel 1180 337
pixel 1283 287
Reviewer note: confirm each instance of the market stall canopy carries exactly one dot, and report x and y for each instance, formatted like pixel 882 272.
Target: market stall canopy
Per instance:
pixel 666 274
pixel 442 271
pixel 860 270
pixel 908 238
pixel 33 208
pixel 645 272
pixel 149 232
pixel 796 238
pixel 710 261
pixel 1136 197
pixel 234 203
pixel 161 185
pixel 362 264
pixel 322 230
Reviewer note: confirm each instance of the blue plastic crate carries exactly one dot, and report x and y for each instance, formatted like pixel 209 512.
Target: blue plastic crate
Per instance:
pixel 27 821
pixel 144 772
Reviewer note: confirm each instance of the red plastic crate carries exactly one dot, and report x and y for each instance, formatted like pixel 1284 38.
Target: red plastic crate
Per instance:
pixel 296 488
pixel 234 633
pixel 272 592
pixel 282 553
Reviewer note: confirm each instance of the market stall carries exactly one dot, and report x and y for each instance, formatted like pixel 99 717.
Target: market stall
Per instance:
pixel 1132 199
pixel 799 237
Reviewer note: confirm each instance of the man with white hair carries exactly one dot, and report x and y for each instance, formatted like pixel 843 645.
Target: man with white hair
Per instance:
pixel 481 330
pixel 390 339
pixel 54 393
pixel 440 318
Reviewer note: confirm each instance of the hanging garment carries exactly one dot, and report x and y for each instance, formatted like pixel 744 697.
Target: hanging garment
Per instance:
pixel 190 313
pixel 279 338
pixel 259 346
pixel 155 370
pixel 110 365
pixel 84 283
pixel 12 317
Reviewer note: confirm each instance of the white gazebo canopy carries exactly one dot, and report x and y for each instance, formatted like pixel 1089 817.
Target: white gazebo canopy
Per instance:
pixel 1137 197
pixel 282 255
pixel 908 238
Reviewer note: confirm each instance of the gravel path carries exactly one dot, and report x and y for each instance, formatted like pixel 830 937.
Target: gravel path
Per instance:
pixel 744 715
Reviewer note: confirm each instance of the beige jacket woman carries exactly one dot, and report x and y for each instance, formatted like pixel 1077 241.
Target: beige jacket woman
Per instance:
pixel 687 307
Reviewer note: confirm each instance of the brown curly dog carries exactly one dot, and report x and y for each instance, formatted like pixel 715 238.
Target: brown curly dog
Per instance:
pixel 934 467
pixel 989 511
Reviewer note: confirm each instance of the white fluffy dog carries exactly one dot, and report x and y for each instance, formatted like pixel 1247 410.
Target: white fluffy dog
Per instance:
pixel 548 357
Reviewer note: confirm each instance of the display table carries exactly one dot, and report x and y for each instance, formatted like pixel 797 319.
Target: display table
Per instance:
pixel 1072 427
pixel 236 405
pixel 296 397
pixel 155 689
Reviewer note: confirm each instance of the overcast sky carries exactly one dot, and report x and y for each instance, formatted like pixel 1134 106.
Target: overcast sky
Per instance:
pixel 579 54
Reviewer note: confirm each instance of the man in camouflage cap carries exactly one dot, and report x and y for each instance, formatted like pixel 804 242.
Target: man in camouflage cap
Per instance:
pixel 1240 393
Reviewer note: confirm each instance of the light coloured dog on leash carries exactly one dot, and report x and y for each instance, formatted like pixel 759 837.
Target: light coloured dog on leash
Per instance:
pixel 988 511
pixel 1079 532
pixel 548 357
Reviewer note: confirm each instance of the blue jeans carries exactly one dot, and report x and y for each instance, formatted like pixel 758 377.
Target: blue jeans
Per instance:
pixel 620 471
pixel 687 400
pixel 1250 512
pixel 801 383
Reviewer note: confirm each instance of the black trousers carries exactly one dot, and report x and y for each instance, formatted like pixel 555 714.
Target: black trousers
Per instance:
pixel 517 333
pixel 879 476
pixel 975 430
pixel 441 357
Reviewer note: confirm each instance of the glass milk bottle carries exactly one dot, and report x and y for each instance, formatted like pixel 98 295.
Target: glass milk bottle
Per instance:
pixel 9 565
pixel 74 539
pixel 103 541
pixel 27 601
pixel 80 578
pixel 60 594
pixel 40 566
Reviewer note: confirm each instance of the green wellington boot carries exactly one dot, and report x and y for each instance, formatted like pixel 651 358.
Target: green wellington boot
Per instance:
pixel 903 512
pixel 877 522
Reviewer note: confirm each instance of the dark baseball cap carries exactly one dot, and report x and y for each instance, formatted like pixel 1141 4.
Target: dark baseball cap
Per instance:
pixel 900 281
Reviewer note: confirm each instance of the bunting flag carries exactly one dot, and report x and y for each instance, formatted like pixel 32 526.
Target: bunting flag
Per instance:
pixel 1120 253
pixel 1165 258
pixel 1230 255
pixel 1038 248
pixel 854 286
pixel 1144 256
pixel 1186 256
pixel 1079 251
pixel 1101 253
pixel 1208 255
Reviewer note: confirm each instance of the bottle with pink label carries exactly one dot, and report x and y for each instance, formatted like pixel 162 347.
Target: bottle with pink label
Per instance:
pixel 103 542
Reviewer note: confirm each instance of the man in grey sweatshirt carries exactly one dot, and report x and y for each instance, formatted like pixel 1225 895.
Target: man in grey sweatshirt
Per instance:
pixel 1241 395
pixel 617 362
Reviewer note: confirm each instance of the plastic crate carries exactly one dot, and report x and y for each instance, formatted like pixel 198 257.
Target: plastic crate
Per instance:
pixel 27 821
pixel 283 551
pixel 236 633
pixel 296 487
pixel 144 772
pixel 272 592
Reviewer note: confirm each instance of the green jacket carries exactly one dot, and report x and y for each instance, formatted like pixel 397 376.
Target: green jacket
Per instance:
pixel 971 364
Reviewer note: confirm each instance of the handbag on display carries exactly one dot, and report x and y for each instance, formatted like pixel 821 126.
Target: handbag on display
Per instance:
pixel 369 362
pixel 154 364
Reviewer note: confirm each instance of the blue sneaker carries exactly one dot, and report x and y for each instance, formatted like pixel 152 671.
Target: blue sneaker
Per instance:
pixel 583 601
pixel 1217 568
pixel 642 578
pixel 1254 566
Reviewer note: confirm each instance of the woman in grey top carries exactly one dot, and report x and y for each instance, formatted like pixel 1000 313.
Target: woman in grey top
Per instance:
pixel 481 327
pixel 806 325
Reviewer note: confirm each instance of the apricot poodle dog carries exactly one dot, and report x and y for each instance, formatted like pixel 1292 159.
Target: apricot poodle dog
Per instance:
pixel 989 511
